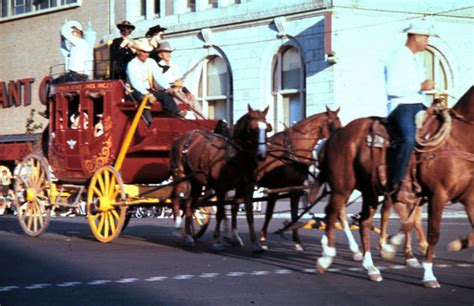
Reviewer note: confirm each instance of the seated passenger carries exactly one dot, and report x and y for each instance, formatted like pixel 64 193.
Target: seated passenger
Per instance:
pixel 121 52
pixel 145 78
pixel 172 73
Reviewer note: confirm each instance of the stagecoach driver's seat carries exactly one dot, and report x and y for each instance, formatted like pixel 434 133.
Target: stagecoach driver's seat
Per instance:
pixel 145 78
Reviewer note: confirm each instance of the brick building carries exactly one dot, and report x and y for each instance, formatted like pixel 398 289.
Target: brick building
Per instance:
pixel 295 55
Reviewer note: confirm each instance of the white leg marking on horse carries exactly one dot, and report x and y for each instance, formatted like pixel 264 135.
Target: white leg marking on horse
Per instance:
pixel 354 247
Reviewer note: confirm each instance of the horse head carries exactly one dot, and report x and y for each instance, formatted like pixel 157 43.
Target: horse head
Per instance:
pixel 250 132
pixel 332 122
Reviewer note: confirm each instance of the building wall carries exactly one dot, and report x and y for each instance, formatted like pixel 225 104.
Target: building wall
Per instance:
pixel 30 46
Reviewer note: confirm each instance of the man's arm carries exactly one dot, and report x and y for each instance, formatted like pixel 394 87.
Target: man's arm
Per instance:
pixel 159 77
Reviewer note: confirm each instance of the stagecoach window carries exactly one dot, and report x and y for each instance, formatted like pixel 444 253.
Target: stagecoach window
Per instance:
pixel 288 88
pixel 214 89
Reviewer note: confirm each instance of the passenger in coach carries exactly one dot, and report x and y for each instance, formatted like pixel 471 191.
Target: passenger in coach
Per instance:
pixel 145 78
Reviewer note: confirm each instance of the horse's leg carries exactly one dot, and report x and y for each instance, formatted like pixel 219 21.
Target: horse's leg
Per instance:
pixel 369 207
pixel 328 242
pixel 233 237
pixel 268 216
pixel 386 249
pixel 354 247
pixel 435 212
pixel 420 232
pixel 294 201
pixel 220 214
pixel 256 247
pixel 410 259
pixel 468 242
pixel 181 196
pixel 188 213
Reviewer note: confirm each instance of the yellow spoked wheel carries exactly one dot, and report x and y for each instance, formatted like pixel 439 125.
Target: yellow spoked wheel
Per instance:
pixel 32 194
pixel 201 219
pixel 106 210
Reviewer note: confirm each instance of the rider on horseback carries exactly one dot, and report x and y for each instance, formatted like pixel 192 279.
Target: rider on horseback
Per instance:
pixel 405 83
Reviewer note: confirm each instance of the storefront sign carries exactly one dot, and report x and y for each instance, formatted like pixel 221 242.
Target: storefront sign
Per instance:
pixel 16 93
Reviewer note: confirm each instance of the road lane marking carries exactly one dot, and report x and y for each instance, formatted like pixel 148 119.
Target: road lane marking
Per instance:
pixel 68 284
pixel 210 275
pixel 156 278
pixel 99 282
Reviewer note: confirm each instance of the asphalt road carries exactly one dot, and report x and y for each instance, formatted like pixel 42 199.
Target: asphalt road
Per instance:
pixel 148 265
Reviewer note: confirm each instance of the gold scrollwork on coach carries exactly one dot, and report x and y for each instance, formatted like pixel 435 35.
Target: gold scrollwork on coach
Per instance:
pixel 100 159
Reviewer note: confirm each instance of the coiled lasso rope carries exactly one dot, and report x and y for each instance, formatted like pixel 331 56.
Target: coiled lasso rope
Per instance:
pixel 427 143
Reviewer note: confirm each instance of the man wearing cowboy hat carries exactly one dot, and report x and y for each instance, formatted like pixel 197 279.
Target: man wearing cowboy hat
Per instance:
pixel 78 54
pixel 172 73
pixel 155 34
pixel 145 78
pixel 406 81
pixel 120 52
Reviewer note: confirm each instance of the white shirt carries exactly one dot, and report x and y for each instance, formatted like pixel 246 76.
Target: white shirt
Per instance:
pixel 404 74
pixel 80 53
pixel 138 73
pixel 172 74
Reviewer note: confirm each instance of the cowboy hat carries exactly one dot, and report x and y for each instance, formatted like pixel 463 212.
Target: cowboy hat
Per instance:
pixel 143 44
pixel 164 46
pixel 154 30
pixel 74 24
pixel 125 25
pixel 421 28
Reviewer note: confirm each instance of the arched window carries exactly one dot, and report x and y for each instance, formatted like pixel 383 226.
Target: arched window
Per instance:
pixel 288 88
pixel 437 69
pixel 214 89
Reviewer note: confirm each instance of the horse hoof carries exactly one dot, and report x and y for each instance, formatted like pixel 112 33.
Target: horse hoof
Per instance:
pixel 264 245
pixel 323 263
pixel 431 284
pixel 217 247
pixel 257 248
pixel 299 247
pixel 189 241
pixel 388 251
pixel 377 277
pixel 178 233
pixel 357 256
pixel 413 263
pixel 455 246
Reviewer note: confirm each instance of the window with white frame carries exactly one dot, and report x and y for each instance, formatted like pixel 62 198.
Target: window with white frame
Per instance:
pixel 214 92
pixel 11 8
pixel 288 88
pixel 437 69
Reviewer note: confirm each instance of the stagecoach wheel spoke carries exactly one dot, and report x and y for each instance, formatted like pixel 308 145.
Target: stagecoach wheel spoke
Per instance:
pixel 106 217
pixel 201 219
pixel 32 195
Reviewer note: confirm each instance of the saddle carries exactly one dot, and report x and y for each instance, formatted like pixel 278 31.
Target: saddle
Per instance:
pixel 381 138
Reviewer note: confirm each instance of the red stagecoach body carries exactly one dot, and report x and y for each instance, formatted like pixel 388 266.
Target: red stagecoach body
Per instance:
pixel 76 150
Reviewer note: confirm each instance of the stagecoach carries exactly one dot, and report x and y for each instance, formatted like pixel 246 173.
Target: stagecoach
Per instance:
pixel 98 150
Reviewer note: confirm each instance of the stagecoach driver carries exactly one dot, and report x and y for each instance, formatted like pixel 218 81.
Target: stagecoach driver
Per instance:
pixel 406 81
pixel 145 78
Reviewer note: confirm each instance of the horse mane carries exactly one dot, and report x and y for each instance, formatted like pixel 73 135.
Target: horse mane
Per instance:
pixel 239 131
pixel 465 105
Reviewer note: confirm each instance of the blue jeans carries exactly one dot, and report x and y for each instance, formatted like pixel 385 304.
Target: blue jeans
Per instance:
pixel 403 119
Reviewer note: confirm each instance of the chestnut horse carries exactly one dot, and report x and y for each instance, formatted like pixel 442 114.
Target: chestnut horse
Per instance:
pixel 290 154
pixel 446 174
pixel 347 164
pixel 203 159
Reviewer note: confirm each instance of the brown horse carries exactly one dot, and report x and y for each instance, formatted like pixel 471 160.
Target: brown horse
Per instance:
pixel 204 159
pixel 446 174
pixel 348 164
pixel 290 154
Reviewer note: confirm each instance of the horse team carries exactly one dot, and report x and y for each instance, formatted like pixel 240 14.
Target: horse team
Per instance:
pixel 248 158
